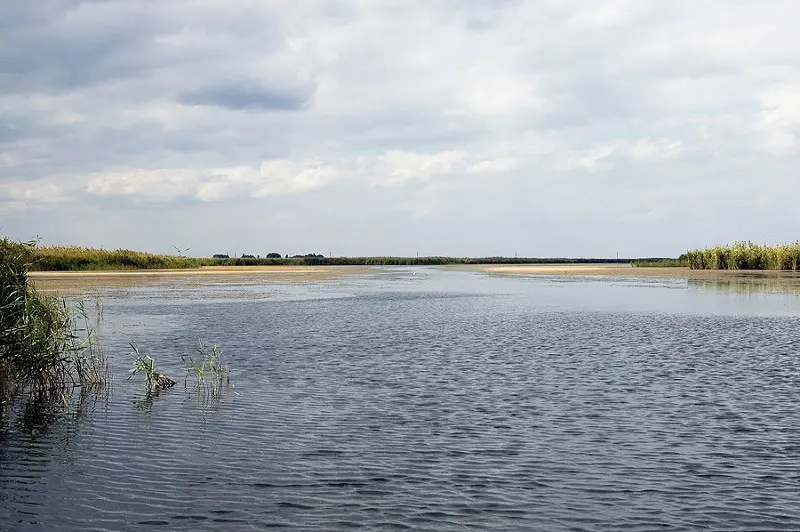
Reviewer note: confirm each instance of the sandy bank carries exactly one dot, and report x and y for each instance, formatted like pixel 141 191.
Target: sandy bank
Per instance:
pixel 71 282
pixel 206 270
pixel 617 270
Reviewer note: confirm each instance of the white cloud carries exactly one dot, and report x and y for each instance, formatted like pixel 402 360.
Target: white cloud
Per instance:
pixel 604 156
pixel 396 167
pixel 778 125
pixel 287 177
pixel 420 106
pixel 20 195
pixel 652 150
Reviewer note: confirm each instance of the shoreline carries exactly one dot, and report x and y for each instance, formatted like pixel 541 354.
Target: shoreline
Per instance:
pixel 616 270
pixel 203 270
pixel 66 282
pixel 77 281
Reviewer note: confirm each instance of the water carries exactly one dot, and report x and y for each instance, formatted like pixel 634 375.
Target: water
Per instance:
pixel 437 400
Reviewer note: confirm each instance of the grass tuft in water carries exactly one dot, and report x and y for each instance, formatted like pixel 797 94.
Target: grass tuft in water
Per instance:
pixel 207 370
pixel 144 364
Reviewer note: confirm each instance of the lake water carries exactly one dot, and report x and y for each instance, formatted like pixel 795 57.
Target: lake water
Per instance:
pixel 431 399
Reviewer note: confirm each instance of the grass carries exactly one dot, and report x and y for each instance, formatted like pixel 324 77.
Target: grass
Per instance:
pixel 154 379
pixel 207 370
pixel 71 258
pixel 208 373
pixel 47 347
pixel 660 263
pixel 746 256
pixel 50 353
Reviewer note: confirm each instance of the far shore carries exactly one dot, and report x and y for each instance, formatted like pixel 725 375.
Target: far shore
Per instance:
pixel 203 270
pixel 615 270
pixel 77 281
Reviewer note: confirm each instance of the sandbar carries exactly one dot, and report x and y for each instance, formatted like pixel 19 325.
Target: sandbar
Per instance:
pixel 617 270
pixel 79 281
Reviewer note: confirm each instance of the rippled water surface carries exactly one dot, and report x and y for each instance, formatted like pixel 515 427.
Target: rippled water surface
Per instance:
pixel 431 399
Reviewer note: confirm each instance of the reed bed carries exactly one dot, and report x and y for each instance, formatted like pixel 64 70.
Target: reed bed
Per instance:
pixel 73 258
pixel 746 256
pixel 47 347
pixel 680 262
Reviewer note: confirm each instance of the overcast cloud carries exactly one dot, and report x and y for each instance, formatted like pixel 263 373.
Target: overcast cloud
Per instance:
pixel 545 128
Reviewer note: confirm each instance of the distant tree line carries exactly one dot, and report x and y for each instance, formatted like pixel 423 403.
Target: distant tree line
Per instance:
pixel 77 258
pixel 312 259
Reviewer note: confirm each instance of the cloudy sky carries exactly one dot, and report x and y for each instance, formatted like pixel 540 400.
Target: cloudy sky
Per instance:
pixel 454 127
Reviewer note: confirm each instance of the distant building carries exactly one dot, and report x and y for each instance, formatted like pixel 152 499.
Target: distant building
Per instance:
pixel 221 256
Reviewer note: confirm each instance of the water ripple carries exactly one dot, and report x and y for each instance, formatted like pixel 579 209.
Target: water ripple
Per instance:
pixel 397 410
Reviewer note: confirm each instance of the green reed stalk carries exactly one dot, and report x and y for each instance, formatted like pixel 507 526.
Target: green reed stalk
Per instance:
pixel 746 256
pixel 46 345
pixel 144 364
pixel 209 373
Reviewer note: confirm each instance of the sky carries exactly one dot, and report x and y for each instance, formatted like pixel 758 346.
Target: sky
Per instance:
pixel 395 127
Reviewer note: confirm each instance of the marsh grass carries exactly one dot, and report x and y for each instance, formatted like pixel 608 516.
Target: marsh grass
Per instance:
pixel 47 346
pixel 71 258
pixel 746 256
pixel 680 262
pixel 208 372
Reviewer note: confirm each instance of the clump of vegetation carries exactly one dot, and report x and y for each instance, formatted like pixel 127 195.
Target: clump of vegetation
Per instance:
pixel 680 262
pixel 207 370
pixel 46 346
pixel 66 258
pixel 145 365
pixel 746 256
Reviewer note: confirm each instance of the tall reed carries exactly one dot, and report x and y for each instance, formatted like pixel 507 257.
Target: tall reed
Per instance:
pixel 46 345
pixel 746 256
pixel 66 258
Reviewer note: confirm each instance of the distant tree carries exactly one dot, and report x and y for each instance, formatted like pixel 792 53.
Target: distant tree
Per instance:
pixel 221 256
pixel 273 255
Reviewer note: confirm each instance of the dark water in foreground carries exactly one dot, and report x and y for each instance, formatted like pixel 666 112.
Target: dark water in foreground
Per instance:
pixel 438 400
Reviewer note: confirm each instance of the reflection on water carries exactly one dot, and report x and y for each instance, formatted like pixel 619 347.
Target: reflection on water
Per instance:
pixel 750 285
pixel 438 400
